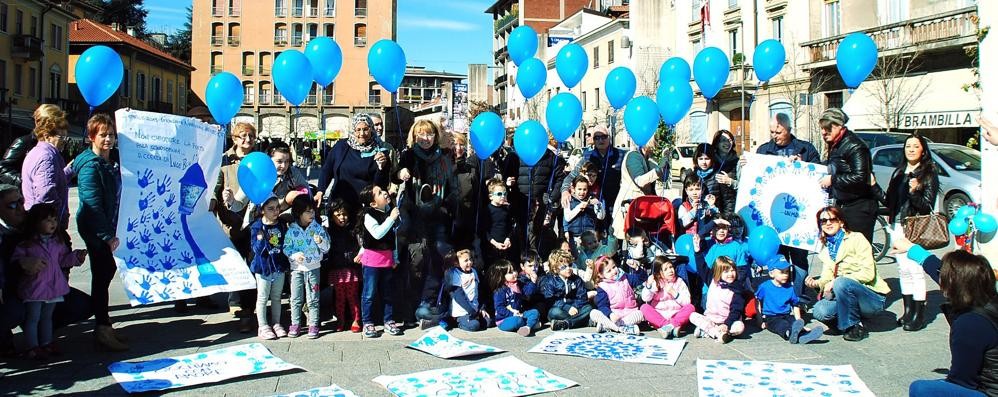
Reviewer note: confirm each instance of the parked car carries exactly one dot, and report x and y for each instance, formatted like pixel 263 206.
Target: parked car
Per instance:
pixel 959 172
pixel 880 138
pixel 682 161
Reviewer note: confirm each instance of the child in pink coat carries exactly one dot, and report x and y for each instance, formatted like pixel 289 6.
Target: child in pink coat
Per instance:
pixel 616 303
pixel 668 306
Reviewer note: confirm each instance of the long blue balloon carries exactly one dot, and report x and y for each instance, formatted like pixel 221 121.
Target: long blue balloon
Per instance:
pixel 856 58
pixel 710 69
pixel 571 64
pixel 531 76
pixel 768 58
pixel 386 62
pixel 674 99
pixel 326 58
pixel 257 176
pixel 674 68
pixel 620 86
pixel 487 133
pixel 641 119
pixel 522 44
pixel 98 74
pixel 564 114
pixel 293 76
pixel 223 95
pixel 530 141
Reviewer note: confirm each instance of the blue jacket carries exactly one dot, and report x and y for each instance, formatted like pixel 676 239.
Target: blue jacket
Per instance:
pixel 504 297
pixel 564 294
pixel 267 242
pixel 98 181
pixel 804 149
pixel 457 293
pixel 602 300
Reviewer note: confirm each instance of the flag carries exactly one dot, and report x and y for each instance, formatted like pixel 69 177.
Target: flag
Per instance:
pixel 704 21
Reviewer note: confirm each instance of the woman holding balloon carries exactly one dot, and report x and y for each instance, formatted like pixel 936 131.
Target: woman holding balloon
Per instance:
pixel 354 163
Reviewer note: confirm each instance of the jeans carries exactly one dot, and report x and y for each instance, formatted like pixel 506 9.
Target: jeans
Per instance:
pixel 305 286
pixel 376 280
pixel 269 290
pixel 513 323
pixel 940 387
pixel 579 320
pixel 851 302
pixel 471 322
pixel 102 268
pixel 38 323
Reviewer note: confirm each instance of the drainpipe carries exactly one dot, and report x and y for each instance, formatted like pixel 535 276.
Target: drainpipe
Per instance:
pixel 41 61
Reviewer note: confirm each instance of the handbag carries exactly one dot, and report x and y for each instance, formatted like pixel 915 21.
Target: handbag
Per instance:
pixel 929 231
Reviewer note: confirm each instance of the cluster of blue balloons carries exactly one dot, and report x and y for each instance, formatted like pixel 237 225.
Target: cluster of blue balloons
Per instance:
pixel 967 215
pixel 98 73
pixel 674 95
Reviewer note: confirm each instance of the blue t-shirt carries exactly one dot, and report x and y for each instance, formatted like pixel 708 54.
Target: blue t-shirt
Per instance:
pixel 776 299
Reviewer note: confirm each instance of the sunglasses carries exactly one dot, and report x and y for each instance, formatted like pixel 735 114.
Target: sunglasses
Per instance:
pixel 600 138
pixel 827 220
pixel 498 194
pixel 14 204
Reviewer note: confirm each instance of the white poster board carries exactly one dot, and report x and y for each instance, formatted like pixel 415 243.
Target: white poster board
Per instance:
pixel 500 377
pixel 612 346
pixel 761 378
pixel 438 342
pixel 328 391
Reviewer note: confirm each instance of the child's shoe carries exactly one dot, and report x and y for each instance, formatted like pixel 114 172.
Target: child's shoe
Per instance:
pixel 266 333
pixel 630 330
pixel 699 333
pixel 812 335
pixel 279 331
pixel 427 324
pixel 676 332
pixel 313 331
pixel 523 331
pixel 795 330
pixel 559 325
pixel 294 331
pixel 393 328
pixel 666 331
pixel 600 328
pixel 724 338
pixel 370 332
pixel 355 327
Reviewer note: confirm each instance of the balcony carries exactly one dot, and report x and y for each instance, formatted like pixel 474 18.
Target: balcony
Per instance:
pixel 297 12
pixel 159 107
pixel 264 70
pixel 296 42
pixel 360 41
pixel 506 21
pixel 360 12
pixel 280 41
pixel 312 12
pixel 233 41
pixel 500 54
pixel 216 69
pixel 217 11
pixel 330 12
pixel 328 99
pixel 26 47
pixel 280 12
pixel 310 99
pixel 234 11
pixel 247 70
pixel 217 41
pixel 501 79
pixel 950 29
pixel 278 99
pixel 264 98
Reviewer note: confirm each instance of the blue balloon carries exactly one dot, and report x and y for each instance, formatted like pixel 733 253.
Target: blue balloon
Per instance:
pixel 674 99
pixel 763 243
pixel 958 226
pixel 257 176
pixel 768 57
pixel 985 223
pixel 674 68
pixel 530 142
pixel 531 76
pixel 293 76
pixel 487 133
pixel 856 58
pixel 564 114
pixel 571 64
pixel 98 74
pixel 620 86
pixel 326 58
pixel 641 119
pixel 386 61
pixel 710 69
pixel 522 44
pixel 684 245
pixel 965 212
pixel 223 95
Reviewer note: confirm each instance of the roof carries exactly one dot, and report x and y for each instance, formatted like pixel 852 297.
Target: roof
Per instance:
pixel 498 6
pixel 85 31
pixel 418 71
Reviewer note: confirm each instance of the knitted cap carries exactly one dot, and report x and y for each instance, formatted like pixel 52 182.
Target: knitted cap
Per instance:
pixel 834 116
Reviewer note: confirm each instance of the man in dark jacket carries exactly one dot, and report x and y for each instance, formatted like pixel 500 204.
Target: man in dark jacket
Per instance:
pixel 13 158
pixel 849 169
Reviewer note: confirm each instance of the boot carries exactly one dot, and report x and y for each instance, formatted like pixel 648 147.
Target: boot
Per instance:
pixel 104 339
pixel 906 303
pixel 918 317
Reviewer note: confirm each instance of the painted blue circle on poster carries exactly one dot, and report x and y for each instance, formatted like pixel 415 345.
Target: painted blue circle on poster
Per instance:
pixel 785 211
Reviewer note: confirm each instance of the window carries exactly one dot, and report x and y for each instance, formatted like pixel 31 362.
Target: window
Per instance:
pixel 140 86
pixel 264 93
pixel 695 15
pixel 123 89
pixel 3 17
pixel 18 78
pixel 697 46
pixel 55 82
pixel 248 93
pixel 834 99
pixel 330 9
pixel 298 8
pixel 698 127
pixel 329 30
pixel 583 100
pixel 33 82
pixel 609 53
pixel 19 22
pixel 181 96
pixel 3 74
pixel 55 36
pixel 156 90
pixel 360 8
pixel 595 57
pixel 831 19
pixel 596 98
pixel 169 91
pixel 34 26
pixel 734 41
pixel 888 157
pixel 360 35
pixel 732 3
pixel 374 95
pixel 280 35
pixel 778 28
pixel 892 11
pixel 280 8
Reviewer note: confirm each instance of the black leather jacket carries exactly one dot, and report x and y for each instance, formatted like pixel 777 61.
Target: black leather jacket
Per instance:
pixel 850 166
pixel 13 158
pixel 902 203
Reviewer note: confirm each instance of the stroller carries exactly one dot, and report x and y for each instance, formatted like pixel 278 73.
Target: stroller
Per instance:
pixel 656 216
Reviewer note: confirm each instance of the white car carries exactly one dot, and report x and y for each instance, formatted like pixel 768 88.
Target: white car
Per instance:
pixel 682 161
pixel 959 172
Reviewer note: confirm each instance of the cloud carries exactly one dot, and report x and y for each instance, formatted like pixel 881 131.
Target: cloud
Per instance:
pixel 439 24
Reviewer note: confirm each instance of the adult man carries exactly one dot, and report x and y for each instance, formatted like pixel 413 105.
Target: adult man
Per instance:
pixel 607 158
pixel 849 169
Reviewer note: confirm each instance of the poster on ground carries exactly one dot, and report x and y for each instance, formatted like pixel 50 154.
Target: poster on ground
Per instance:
pixel 761 378
pixel 612 346
pixel 783 194
pixel 171 246
pixel 197 369
pixel 436 341
pixel 500 377
pixel 328 391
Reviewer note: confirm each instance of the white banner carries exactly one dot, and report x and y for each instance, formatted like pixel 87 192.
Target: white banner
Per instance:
pixel 783 194
pixel 501 377
pixel 329 391
pixel 612 346
pixel 438 342
pixel 196 369
pixel 761 378
pixel 171 246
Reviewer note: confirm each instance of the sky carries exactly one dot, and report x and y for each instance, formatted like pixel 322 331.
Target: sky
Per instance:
pixel 442 35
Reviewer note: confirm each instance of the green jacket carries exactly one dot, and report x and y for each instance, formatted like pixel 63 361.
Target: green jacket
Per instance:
pixel 98 182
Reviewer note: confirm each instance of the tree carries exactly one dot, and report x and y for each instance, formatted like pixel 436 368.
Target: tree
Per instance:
pixel 126 13
pixel 895 88
pixel 178 44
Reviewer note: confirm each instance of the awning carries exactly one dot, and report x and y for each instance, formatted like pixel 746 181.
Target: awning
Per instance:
pixel 943 104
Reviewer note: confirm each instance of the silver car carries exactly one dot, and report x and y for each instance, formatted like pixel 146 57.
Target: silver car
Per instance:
pixel 959 172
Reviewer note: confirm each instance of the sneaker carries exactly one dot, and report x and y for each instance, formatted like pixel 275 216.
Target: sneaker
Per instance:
pixel 795 330
pixel 666 331
pixel 630 330
pixel 294 330
pixel 855 333
pixel 279 331
pixel 600 328
pixel 393 328
pixel 812 335
pixel 370 332
pixel 725 338
pixel 698 333
pixel 676 332
pixel 313 331
pixel 266 333
pixel 523 331
pixel 559 325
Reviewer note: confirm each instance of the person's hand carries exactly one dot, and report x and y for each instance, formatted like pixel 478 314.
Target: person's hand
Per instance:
pixel 31 266
pixel 394 213
pixel 584 205
pixel 722 329
pixel 113 244
pixel 614 317
pixel 711 200
pixel 81 255
pixel 723 178
pixel 900 244
pixel 510 181
pixel 742 161
pixel 317 238
pixel 828 288
pixel 356 259
pixel 989 131
pixel 506 244
pixel 318 199
pixel 651 284
pixel 593 201
pixel 566 199
pixel 228 195
pixel 633 263
pixel 380 159
pixel 826 181
pixel 404 174
pixel 913 185
pixel 516 312
pixel 696 242
pixel 795 157
pixel 298 257
pixel 590 263
pixel 811 282
pixel 572 311
pixel 720 221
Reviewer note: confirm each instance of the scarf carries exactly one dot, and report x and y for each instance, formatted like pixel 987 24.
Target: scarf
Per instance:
pixel 438 168
pixel 703 174
pixel 364 149
pixel 834 242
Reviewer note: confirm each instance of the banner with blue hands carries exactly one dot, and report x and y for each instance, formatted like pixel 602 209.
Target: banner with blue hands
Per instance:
pixel 613 347
pixel 169 167
pixel 436 341
pixel 507 376
pixel 327 391
pixel 763 378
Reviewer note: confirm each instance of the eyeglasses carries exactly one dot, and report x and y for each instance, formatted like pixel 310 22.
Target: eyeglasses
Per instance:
pixel 243 137
pixel 14 204
pixel 827 220
pixel 600 138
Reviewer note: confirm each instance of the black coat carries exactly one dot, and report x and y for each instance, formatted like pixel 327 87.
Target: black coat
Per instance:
pixel 902 203
pixel 13 159
pixel 850 167
pixel 548 174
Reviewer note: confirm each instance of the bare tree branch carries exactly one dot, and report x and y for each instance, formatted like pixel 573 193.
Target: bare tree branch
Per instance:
pixel 895 89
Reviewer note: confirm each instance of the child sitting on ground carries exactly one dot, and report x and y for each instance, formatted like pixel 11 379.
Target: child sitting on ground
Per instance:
pixel 510 300
pixel 668 306
pixel 565 293
pixel 780 312
pixel 725 300
pixel 616 303
pixel 461 284
pixel 639 251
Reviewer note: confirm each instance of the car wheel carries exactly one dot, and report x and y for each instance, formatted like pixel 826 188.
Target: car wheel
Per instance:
pixel 954 202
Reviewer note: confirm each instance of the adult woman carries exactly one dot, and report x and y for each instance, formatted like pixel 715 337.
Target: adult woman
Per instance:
pixel 354 163
pixel 96 219
pixel 912 191
pixel 466 169
pixel 727 169
pixel 849 282
pixel 44 174
pixel 638 176
pixel 231 207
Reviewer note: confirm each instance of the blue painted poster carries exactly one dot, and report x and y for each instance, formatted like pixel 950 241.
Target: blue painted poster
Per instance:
pixel 717 378
pixel 196 369
pixel 612 346
pixel 438 342
pixel 328 391
pixel 171 246
pixel 784 194
pixel 500 377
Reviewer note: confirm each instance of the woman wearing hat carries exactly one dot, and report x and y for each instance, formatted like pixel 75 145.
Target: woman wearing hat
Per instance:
pixel 354 163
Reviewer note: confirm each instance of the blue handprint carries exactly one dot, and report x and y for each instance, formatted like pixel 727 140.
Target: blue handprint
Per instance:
pixel 166 246
pixel 166 279
pixel 144 298
pixel 151 267
pixel 150 251
pixel 132 243
pixel 168 219
pixel 145 236
pixel 158 229
pixel 167 263
pixel 145 178
pixel 186 257
pixel 132 262
pixel 145 218
pixel 165 294
pixel 185 273
pixel 177 235
pixel 155 214
pixel 162 184
pixel 172 198
pixel 146 201
pixel 132 224
pixel 187 288
pixel 146 282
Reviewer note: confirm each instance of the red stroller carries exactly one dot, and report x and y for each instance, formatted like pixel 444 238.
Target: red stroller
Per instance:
pixel 655 215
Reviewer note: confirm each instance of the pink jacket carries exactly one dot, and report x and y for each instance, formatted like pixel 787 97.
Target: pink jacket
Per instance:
pixel 718 303
pixel 668 304
pixel 622 299
pixel 50 282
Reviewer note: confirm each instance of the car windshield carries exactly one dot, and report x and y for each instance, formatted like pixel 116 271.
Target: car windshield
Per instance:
pixel 960 158
pixel 687 151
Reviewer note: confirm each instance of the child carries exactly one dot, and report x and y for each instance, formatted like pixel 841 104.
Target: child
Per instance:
pixel 461 284
pixel 304 244
pixel 722 244
pixel 589 249
pixel 269 264
pixel 41 291
pixel 565 293
pixel 695 210
pixel 779 306
pixel 668 306
pixel 722 317
pixel 639 252
pixel 510 299
pixel 344 260
pixel 705 169
pixel 498 224
pixel 532 271
pixel 591 170
pixel 583 212
pixel 377 256
pixel 616 304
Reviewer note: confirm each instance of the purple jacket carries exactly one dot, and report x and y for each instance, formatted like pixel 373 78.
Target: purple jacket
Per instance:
pixel 50 283
pixel 45 179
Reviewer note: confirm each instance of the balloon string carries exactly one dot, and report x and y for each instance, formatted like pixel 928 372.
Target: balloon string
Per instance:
pixel 530 205
pixel 398 122
pixel 478 192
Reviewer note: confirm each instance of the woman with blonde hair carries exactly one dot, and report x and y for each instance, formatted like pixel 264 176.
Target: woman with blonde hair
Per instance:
pixel 45 176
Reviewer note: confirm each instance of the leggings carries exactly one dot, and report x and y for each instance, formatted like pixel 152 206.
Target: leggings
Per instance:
pixel 911 276
pixel 657 320
pixel 38 323
pixel 102 268
pixel 347 294
pixel 632 318
pixel 713 329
